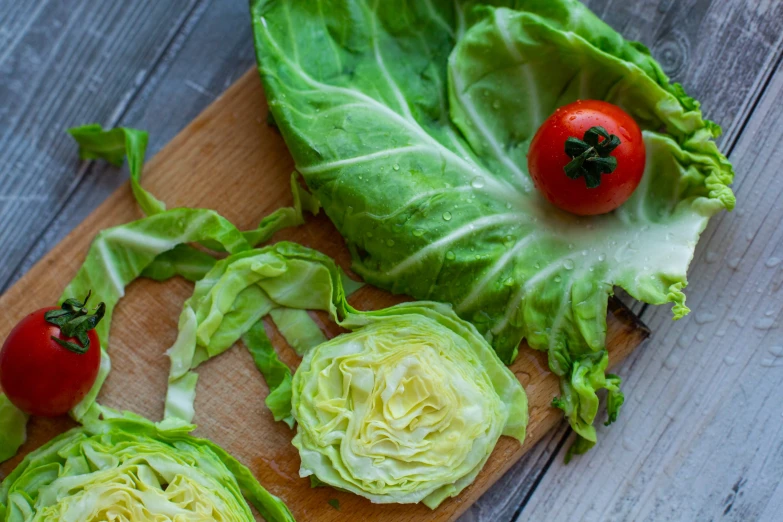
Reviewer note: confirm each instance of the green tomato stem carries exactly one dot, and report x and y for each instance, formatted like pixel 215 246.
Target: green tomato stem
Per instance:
pixel 75 321
pixel 591 156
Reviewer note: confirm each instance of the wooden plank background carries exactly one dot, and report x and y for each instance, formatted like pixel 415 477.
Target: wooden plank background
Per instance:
pixel 701 436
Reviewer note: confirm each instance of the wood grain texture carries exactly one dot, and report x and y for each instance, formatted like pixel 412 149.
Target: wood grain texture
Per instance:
pixel 70 63
pixel 177 88
pixel 702 435
pixel 230 160
pixel 722 50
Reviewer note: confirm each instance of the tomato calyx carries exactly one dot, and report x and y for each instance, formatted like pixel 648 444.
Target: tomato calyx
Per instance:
pixel 590 156
pixel 74 321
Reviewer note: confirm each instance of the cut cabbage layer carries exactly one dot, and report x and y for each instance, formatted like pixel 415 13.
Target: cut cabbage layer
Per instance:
pixel 405 409
pixel 127 469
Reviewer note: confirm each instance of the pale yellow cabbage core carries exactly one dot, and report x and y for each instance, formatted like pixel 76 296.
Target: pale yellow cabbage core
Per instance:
pixel 139 488
pixel 402 410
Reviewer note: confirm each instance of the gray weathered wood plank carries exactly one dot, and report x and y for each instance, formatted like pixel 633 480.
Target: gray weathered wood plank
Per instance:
pixel 702 434
pixel 182 84
pixel 16 19
pixel 75 62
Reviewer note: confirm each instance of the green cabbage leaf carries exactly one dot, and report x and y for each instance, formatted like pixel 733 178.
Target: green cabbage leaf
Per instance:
pixel 126 468
pixel 411 122
pixel 277 375
pixel 231 300
pixel 282 281
pixel 184 261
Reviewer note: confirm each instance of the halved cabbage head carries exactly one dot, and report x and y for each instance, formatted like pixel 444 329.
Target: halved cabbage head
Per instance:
pixel 407 408
pixel 128 469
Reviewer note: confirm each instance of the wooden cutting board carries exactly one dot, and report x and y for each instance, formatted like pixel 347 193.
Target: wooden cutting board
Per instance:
pixel 230 160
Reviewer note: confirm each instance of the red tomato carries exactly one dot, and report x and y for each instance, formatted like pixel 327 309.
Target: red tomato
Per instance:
pixel 41 377
pixel 547 158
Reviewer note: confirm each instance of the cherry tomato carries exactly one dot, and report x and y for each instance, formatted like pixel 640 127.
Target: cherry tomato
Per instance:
pixel 43 377
pixel 547 158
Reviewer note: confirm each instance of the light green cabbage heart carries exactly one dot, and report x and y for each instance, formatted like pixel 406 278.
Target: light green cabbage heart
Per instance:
pixel 403 409
pixel 127 469
pixel 411 123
